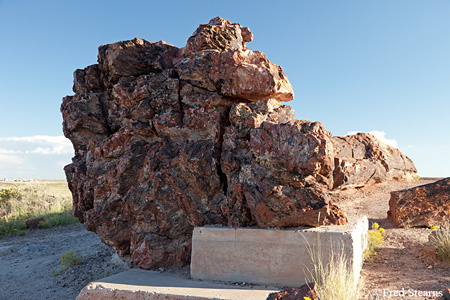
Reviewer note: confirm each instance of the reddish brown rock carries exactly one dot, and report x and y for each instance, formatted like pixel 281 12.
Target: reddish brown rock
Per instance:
pixel 445 295
pixel 34 223
pixel 134 58
pixel 218 34
pixel 362 159
pixel 306 290
pixel 280 167
pixel 167 139
pixel 217 59
pixel 425 205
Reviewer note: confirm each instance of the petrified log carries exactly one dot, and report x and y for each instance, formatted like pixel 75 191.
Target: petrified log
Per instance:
pixel 426 205
pixel 167 139
pixel 362 159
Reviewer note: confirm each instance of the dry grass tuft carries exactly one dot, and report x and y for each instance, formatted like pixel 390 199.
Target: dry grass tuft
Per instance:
pixel 440 242
pixel 335 279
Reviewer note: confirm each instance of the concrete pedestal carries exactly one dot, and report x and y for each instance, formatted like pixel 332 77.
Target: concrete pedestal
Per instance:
pixel 279 257
pixel 149 285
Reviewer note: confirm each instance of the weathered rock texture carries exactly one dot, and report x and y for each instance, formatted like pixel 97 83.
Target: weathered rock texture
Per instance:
pixel 362 159
pixel 167 139
pixel 425 205
pixel 300 293
pixel 445 295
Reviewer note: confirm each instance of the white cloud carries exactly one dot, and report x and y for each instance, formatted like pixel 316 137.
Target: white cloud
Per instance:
pixel 38 156
pixel 381 135
pixel 37 144
pixel 9 152
pixel 7 159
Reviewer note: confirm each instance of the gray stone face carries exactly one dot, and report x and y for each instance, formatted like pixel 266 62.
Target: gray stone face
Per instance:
pixel 283 256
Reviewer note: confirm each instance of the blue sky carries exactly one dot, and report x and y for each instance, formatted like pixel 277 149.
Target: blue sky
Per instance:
pixel 378 65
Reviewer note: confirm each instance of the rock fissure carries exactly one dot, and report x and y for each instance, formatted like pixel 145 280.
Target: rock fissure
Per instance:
pixel 180 101
pixel 371 176
pixel 222 128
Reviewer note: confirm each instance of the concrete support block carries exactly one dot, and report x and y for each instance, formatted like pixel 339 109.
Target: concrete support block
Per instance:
pixel 150 285
pixel 279 257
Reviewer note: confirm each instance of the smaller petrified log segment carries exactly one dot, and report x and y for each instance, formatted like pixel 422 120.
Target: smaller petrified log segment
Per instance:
pixel 425 205
pixel 362 159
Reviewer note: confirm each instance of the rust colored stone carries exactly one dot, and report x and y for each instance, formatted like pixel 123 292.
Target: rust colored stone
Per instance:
pixel 362 159
pixel 306 290
pixel 34 223
pixel 445 295
pixel 422 206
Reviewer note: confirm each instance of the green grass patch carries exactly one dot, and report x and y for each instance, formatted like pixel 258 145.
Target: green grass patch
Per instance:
pixel 31 200
pixel 57 219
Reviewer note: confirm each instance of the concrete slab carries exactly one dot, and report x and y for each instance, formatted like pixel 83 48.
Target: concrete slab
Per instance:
pixel 139 284
pixel 279 257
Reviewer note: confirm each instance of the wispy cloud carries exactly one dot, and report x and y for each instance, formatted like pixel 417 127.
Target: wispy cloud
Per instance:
pixel 381 135
pixel 9 152
pixel 37 144
pixel 7 159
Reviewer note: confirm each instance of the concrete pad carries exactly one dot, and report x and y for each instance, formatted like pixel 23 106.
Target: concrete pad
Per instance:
pixel 279 257
pixel 139 284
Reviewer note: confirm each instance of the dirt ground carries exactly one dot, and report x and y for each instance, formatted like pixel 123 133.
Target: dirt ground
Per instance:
pixel 30 265
pixel 401 269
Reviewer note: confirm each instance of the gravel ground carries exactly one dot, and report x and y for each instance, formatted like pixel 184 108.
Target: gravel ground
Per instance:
pixel 30 265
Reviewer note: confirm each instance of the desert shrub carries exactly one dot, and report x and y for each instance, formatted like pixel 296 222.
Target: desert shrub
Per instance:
pixel 334 280
pixel 374 240
pixel 31 201
pixel 440 242
pixel 6 194
pixel 70 259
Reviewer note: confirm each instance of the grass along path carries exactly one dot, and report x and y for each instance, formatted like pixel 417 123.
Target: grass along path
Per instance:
pixel 23 201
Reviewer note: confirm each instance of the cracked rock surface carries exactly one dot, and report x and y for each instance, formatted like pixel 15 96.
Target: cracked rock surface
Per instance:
pixel 361 159
pixel 167 139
